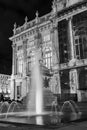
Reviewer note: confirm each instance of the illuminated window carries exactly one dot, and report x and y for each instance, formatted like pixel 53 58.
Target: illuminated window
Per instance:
pixel 20 65
pixel 31 60
pixel 47 59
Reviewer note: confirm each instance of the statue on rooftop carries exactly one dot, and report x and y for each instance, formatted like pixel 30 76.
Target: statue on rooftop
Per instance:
pixel 14 30
pixel 26 21
pixel 54 6
pixel 37 17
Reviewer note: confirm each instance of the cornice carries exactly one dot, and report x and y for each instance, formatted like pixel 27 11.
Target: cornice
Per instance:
pixel 30 32
pixel 72 11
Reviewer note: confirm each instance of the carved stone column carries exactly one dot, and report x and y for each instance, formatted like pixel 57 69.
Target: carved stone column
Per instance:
pixel 54 32
pixel 14 60
pixel 71 37
pixel 38 44
pixel 14 71
pixel 25 57
pixel 55 54
pixel 55 45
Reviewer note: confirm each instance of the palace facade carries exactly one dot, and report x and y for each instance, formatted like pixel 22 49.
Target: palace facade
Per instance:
pixel 61 39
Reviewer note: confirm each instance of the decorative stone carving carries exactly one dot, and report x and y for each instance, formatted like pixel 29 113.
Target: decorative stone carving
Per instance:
pixel 26 19
pixel 54 84
pixel 37 17
pixel 73 80
pixel 54 7
pixel 14 30
pixel 26 22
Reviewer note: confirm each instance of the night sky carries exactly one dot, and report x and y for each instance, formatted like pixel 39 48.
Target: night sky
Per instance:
pixel 12 11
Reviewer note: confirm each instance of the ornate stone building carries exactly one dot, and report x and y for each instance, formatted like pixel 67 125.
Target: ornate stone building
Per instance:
pixel 61 37
pixel 5 84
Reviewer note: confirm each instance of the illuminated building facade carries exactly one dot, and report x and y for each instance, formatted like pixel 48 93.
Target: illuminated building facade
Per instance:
pixel 61 37
pixel 5 84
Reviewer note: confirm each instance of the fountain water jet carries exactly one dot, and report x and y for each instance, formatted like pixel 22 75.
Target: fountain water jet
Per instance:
pixel 36 94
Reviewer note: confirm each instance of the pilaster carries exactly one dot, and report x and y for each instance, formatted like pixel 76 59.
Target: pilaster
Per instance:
pixel 71 38
pixel 12 88
pixel 55 57
pixel 14 60
pixel 55 45
pixel 25 56
pixel 55 48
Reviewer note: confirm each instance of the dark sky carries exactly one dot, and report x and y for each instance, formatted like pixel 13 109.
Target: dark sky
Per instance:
pixel 12 11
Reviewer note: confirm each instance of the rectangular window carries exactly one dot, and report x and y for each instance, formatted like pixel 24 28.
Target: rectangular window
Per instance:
pixel 80 47
pixel 47 59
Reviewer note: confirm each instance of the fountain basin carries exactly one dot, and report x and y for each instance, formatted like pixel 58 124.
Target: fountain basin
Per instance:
pixel 45 118
pixel 29 117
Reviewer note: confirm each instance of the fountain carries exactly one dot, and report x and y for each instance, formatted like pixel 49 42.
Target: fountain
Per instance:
pixel 35 113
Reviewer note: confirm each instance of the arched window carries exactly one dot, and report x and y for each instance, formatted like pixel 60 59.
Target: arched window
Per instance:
pixel 47 58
